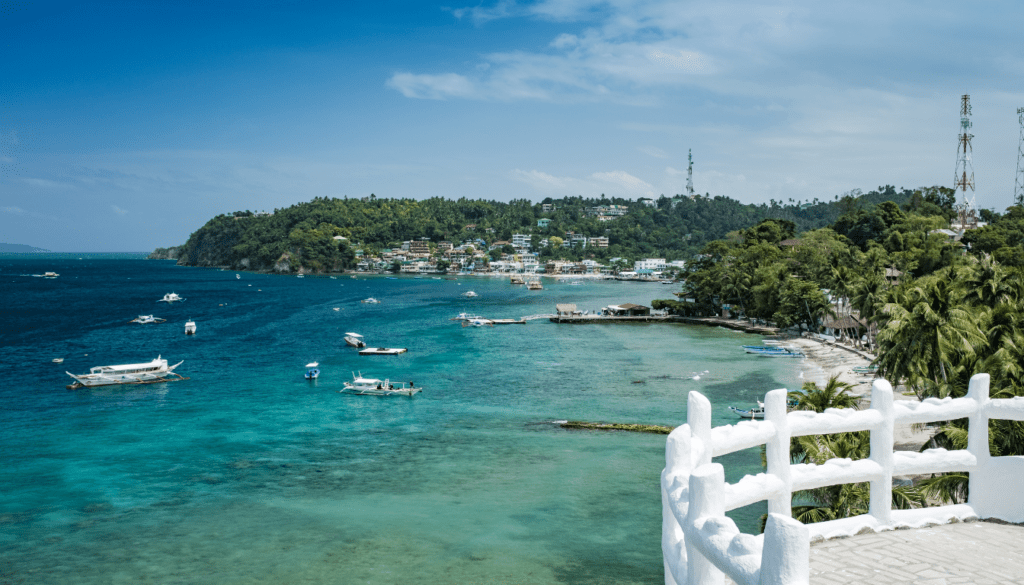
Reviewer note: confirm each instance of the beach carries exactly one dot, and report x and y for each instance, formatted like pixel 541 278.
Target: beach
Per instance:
pixel 826 359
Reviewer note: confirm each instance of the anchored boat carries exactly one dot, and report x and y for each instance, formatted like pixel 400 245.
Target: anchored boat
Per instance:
pixel 376 387
pixel 355 340
pixel 170 298
pixel 382 351
pixel 144 319
pixel 312 373
pixel 145 373
pixel 190 327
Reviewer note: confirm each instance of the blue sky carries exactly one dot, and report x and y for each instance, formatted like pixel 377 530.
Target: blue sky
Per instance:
pixel 126 125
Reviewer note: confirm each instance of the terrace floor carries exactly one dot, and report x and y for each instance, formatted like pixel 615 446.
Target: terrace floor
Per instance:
pixel 982 553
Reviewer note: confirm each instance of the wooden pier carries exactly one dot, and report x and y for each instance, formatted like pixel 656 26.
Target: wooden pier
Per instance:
pixel 615 319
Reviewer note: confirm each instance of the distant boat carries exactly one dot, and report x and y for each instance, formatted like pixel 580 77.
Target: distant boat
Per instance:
pixel 58 360
pixel 154 371
pixel 170 298
pixel 312 373
pixel 190 327
pixel 50 275
pixel 534 285
pixel 301 276
pixel 371 301
pixel 470 294
pixel 382 351
pixel 477 322
pixel 751 413
pixel 375 387
pixel 238 276
pixel 516 279
pixel 145 319
pixel 464 317
pixel 355 340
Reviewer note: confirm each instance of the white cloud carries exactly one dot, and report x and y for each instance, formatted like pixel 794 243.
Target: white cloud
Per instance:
pixel 627 183
pixel 653 151
pixel 118 210
pixel 46 183
pixel 435 87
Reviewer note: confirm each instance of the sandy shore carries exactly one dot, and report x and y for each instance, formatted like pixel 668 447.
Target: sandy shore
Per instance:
pixel 825 360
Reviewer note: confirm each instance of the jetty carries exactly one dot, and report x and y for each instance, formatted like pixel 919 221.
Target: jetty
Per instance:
pixel 737 324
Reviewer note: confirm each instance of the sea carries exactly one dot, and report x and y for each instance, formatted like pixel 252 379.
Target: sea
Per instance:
pixel 247 473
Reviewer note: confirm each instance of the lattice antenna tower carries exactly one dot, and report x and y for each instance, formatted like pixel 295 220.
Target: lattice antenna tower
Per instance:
pixel 964 175
pixel 1018 184
pixel 689 176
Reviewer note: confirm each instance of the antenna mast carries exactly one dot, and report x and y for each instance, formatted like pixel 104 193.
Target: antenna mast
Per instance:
pixel 1018 184
pixel 964 176
pixel 689 173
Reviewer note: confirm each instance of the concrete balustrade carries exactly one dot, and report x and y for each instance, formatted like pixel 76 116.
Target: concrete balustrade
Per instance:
pixel 701 545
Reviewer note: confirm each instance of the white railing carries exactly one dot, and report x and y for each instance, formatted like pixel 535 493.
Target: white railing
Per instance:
pixel 701 544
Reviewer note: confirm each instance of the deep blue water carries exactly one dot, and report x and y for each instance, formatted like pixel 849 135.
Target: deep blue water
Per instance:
pixel 247 473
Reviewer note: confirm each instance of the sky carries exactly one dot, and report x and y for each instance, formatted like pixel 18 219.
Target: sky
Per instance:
pixel 126 125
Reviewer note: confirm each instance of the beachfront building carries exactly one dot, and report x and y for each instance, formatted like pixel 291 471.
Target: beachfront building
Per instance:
pixel 626 310
pixel 651 264
pixel 574 239
pixel 420 247
pixel 598 242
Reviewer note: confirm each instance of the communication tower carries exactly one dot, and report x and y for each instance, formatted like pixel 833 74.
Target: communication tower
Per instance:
pixel 964 175
pixel 1018 184
pixel 689 174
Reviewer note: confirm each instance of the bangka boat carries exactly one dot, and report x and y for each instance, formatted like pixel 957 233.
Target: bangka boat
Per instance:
pixel 190 327
pixel 750 413
pixel 464 317
pixel 58 360
pixel 516 279
pixel 376 387
pixel 154 371
pixel 470 294
pixel 50 275
pixel 144 319
pixel 382 351
pixel 771 351
pixel 865 370
pixel 534 285
pixel 312 373
pixel 170 298
pixel 371 301
pixel 355 340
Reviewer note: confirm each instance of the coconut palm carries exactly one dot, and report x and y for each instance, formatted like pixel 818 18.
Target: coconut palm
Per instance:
pixel 833 395
pixel 926 333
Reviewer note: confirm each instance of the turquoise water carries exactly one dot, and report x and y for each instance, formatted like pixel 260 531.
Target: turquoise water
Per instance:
pixel 247 473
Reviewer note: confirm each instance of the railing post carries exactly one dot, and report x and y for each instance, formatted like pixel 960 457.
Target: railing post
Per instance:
pixel 677 464
pixel 882 438
pixel 777 451
pixel 786 556
pixel 707 500
pixel 698 416
pixel 977 438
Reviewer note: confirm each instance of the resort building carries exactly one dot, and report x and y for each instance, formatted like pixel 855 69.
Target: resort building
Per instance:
pixel 543 222
pixel 547 207
pixel 419 247
pixel 443 247
pixel 647 202
pixel 627 310
pixel 521 241
pixel 599 242
pixel 574 239
pixel 652 264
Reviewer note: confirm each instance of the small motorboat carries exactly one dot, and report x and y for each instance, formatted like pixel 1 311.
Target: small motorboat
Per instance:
pixel 464 317
pixel 470 294
pixel 478 322
pixel 58 360
pixel 170 298
pixel 312 373
pixel 371 301
pixel 190 327
pixel 238 276
pixel 382 351
pixel 751 413
pixel 144 319
pixel 355 340
pixel 50 275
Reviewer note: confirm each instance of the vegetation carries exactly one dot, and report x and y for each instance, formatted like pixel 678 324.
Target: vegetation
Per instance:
pixel 304 235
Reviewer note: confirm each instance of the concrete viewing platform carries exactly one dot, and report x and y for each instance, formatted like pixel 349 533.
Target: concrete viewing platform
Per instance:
pixel 979 553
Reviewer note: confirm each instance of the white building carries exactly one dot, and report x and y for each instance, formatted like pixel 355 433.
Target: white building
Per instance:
pixel 521 241
pixel 655 264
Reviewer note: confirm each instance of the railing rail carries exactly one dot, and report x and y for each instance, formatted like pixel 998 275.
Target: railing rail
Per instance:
pixel 701 544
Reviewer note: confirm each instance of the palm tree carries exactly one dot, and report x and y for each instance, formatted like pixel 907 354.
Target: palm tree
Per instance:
pixel 867 299
pixel 833 395
pixel 926 333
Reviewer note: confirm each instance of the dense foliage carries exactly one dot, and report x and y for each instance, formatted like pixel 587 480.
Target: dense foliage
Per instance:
pixel 303 235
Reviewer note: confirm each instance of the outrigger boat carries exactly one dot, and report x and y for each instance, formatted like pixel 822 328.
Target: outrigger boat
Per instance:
pixel 144 319
pixel 465 317
pixel 382 351
pixel 771 351
pixel 355 340
pixel 170 298
pixel 375 387
pixel 751 413
pixel 145 373
pixel 371 301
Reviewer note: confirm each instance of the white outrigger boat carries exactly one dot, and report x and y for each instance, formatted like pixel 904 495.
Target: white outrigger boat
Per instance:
pixel 470 294
pixel 375 387
pixel 371 301
pixel 145 373
pixel 382 351
pixel 355 340
pixel 144 319
pixel 170 298
pixel 465 317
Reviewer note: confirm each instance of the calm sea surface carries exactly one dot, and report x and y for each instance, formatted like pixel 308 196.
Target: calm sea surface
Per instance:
pixel 248 473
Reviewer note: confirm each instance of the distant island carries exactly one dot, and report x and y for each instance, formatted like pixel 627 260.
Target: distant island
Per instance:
pixel 437 234
pixel 20 249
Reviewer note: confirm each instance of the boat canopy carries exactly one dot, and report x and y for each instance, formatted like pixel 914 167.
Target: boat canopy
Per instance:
pixel 353 334
pixel 312 364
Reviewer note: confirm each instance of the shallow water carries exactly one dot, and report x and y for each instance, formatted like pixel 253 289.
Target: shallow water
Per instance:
pixel 247 473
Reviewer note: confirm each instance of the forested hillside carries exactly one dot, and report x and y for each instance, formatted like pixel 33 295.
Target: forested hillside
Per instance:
pixel 303 235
